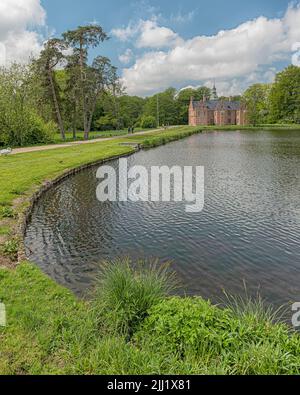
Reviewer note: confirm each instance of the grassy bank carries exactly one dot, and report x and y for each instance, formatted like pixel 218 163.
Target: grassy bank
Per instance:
pixel 131 325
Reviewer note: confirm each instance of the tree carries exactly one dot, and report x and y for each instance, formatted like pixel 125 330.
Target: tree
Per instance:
pixel 72 92
pixel 107 122
pixel 256 98
pixel 81 39
pixel 285 96
pixel 130 109
pixel 19 122
pixel 148 121
pixel 101 77
pixel 163 105
pixel 51 56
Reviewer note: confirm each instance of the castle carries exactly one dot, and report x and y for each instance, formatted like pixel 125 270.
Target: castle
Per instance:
pixel 216 112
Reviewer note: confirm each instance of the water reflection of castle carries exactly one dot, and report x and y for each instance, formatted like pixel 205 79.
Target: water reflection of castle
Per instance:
pixel 216 112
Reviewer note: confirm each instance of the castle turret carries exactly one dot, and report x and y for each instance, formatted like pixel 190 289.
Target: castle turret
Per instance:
pixel 214 92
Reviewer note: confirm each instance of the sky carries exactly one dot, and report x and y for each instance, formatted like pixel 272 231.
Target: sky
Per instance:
pixel 157 44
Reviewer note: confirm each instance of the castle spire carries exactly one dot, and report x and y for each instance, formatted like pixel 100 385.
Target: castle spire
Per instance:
pixel 214 92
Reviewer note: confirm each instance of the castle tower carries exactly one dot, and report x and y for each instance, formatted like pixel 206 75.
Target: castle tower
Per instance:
pixel 214 92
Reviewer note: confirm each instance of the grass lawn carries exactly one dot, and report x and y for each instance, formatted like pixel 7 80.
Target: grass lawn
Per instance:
pixel 131 325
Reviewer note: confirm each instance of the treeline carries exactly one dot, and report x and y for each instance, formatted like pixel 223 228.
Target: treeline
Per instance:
pixel 275 103
pixel 64 90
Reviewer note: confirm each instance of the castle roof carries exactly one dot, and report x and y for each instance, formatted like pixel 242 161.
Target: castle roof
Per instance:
pixel 218 104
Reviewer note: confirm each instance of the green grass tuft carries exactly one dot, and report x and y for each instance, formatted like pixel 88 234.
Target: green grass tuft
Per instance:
pixel 6 212
pixel 125 292
pixel 10 248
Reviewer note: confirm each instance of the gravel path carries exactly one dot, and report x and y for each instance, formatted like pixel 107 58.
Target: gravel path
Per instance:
pixel 65 145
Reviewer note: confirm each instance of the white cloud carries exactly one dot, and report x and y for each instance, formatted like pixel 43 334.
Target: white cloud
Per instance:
pixel 126 33
pixel 230 55
pixel 154 36
pixel 17 18
pixel 147 34
pixel 126 56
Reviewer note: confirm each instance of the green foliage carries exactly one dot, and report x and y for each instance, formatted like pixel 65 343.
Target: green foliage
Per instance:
pixel 147 122
pixel 19 122
pixel 275 103
pixel 256 99
pixel 125 292
pixel 285 96
pixel 106 122
pixel 39 132
pixel 130 109
pixel 167 107
pixel 190 324
pixel 244 343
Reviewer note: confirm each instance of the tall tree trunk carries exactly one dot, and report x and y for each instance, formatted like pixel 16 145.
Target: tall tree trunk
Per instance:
pixel 84 105
pixel 91 117
pixel 74 127
pixel 56 106
pixel 74 121
pixel 116 111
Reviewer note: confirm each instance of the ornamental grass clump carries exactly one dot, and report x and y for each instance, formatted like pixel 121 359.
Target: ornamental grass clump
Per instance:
pixel 125 292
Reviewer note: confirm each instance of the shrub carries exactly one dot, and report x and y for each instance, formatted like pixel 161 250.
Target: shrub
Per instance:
pixel 39 132
pixel 106 122
pixel 125 292
pixel 29 131
pixel 190 324
pixel 148 122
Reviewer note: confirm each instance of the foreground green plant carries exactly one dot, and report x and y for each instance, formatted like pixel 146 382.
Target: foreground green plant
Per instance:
pixel 243 342
pixel 125 292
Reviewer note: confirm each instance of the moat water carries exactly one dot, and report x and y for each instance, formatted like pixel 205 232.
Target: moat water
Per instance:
pixel 248 232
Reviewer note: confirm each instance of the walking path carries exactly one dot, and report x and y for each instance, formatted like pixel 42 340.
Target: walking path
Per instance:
pixel 65 145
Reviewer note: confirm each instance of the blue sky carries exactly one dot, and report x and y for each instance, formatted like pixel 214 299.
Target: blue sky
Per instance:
pixel 188 18
pixel 162 43
pixel 209 16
